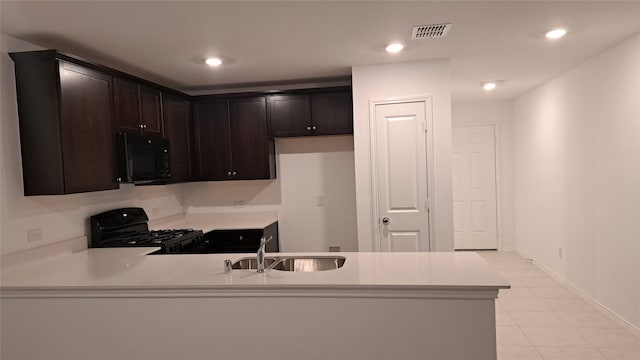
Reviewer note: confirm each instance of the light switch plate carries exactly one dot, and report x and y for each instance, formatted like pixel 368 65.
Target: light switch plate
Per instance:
pixel 34 235
pixel 334 248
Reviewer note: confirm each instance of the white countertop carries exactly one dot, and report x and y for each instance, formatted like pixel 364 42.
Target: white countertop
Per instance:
pixel 216 221
pixel 131 268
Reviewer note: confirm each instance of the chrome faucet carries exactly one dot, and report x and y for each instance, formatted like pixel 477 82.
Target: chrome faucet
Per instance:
pixel 261 252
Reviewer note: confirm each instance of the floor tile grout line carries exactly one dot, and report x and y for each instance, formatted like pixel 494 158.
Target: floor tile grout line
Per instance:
pixel 534 345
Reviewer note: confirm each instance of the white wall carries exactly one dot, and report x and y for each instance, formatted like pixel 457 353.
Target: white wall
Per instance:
pixel 402 80
pixel 308 167
pixel 60 217
pixel 577 177
pixel 500 114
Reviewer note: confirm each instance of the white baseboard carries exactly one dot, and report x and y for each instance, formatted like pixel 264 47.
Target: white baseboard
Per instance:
pixel 586 297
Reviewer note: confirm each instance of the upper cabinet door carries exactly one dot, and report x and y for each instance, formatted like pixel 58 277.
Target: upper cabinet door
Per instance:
pixel 289 115
pixel 87 129
pixel 137 108
pixel 127 106
pixel 176 115
pixel 150 111
pixel 212 140
pixel 332 113
pixel 251 149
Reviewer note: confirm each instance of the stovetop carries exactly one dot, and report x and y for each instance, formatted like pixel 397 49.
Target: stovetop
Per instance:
pixel 127 227
pixel 149 238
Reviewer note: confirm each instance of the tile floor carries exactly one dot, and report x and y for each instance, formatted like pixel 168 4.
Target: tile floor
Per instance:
pixel 539 318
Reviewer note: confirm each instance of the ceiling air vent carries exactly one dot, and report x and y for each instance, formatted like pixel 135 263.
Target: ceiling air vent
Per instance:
pixel 430 31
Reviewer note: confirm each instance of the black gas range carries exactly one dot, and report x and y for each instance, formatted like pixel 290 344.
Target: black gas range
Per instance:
pixel 127 227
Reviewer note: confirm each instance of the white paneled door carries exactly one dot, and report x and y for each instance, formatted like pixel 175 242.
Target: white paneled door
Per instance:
pixel 474 187
pixel 401 175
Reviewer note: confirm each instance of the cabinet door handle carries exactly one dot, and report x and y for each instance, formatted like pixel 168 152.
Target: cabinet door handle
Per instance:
pixel 229 173
pixel 140 126
pixel 144 126
pixel 118 179
pixel 308 127
pixel 314 128
pixel 234 173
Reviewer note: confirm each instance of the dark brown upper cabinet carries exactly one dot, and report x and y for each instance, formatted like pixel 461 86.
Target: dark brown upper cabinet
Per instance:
pixel 176 114
pixel 212 155
pixel 231 139
pixel 252 153
pixel 290 115
pixel 311 113
pixel 137 108
pixel 331 113
pixel 66 125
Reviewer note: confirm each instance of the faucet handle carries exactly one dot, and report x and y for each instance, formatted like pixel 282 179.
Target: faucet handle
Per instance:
pixel 264 240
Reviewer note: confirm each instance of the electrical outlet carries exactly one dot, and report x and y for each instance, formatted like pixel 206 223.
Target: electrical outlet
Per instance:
pixel 34 235
pixel 560 253
pixel 238 203
pixel 155 211
pixel 334 248
pixel 320 200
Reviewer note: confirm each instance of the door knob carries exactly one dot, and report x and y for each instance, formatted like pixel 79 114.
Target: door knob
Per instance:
pixel 386 220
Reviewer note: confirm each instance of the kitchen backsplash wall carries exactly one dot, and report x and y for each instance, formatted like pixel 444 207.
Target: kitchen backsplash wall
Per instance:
pixel 54 218
pixel 314 194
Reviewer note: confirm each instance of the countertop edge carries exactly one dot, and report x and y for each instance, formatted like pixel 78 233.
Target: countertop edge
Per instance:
pixel 239 291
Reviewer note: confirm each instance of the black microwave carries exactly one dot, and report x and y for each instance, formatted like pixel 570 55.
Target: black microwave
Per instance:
pixel 143 159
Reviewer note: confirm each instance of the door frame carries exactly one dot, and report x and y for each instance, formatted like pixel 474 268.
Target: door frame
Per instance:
pixel 375 210
pixel 496 137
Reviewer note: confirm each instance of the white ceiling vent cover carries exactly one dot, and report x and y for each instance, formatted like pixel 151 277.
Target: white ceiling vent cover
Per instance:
pixel 430 31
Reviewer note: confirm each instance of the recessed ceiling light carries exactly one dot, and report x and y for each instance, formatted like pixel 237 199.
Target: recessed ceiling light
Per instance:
pixel 556 34
pixel 394 48
pixel 213 61
pixel 488 86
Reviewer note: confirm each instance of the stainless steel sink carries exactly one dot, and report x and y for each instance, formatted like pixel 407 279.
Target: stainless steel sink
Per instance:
pixel 309 263
pixel 251 263
pixel 294 263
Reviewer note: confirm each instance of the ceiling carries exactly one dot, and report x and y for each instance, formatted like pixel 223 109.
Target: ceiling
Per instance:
pixel 268 44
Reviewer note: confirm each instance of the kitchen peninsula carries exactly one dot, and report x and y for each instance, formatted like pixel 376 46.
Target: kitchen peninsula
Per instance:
pixel 121 303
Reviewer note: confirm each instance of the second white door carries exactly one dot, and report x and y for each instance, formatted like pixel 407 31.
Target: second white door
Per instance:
pixel 474 188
